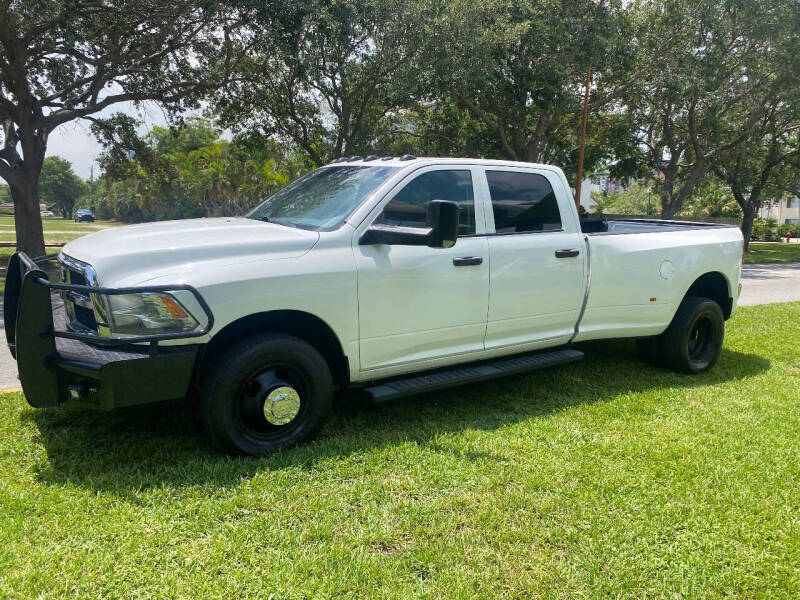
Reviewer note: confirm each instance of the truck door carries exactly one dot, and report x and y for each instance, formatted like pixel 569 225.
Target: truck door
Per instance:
pixel 537 260
pixel 421 306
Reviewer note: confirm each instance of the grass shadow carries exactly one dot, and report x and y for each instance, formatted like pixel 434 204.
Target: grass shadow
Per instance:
pixel 129 450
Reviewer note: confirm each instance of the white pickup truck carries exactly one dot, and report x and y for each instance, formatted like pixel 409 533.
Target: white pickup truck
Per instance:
pixel 392 275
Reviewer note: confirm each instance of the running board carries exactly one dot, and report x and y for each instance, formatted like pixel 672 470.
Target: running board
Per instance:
pixel 417 384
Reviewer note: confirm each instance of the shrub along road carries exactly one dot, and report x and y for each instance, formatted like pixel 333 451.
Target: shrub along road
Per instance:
pixel 607 478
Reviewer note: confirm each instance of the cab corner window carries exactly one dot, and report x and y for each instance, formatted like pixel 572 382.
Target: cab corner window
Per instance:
pixel 522 202
pixel 409 207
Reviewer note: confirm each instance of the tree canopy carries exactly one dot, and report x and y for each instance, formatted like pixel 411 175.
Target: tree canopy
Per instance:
pixel 190 171
pixel 327 75
pixel 67 60
pixel 59 186
pixel 707 73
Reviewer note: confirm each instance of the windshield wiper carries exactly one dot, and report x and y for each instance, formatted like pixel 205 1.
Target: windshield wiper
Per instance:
pixel 276 222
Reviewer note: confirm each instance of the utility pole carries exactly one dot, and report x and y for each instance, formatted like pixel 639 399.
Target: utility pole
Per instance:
pixel 583 140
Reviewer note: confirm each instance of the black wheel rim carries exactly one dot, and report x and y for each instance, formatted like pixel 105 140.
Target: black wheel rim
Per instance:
pixel 701 339
pixel 256 392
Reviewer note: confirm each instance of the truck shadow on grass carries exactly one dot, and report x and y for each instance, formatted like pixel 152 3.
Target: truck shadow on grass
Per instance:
pixel 134 449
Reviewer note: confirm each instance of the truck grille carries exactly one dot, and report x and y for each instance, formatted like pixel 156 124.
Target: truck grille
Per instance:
pixel 74 277
pixel 85 317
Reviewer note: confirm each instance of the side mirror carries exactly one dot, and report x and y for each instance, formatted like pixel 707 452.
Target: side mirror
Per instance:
pixel 442 218
pixel 442 230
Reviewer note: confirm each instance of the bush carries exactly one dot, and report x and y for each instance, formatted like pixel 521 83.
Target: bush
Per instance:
pixel 793 228
pixel 765 230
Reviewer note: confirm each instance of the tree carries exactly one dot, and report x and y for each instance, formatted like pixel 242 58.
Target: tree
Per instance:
pixel 65 60
pixel 711 198
pixel 635 200
pixel 718 59
pixel 60 186
pixel 329 83
pixel 189 171
pixel 768 165
pixel 519 67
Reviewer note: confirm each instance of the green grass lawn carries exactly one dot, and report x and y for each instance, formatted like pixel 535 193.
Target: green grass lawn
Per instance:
pixel 605 479
pixel 55 230
pixel 772 252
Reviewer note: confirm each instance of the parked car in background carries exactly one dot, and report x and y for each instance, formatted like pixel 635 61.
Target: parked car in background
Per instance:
pixel 84 214
pixel 47 214
pixel 395 276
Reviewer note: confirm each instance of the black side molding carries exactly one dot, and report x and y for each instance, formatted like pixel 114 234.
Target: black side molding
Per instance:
pixel 417 384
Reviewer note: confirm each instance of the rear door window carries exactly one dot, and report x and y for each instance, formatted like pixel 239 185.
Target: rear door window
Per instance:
pixel 522 202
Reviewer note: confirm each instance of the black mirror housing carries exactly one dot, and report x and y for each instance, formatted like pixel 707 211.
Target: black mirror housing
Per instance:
pixel 442 218
pixel 442 231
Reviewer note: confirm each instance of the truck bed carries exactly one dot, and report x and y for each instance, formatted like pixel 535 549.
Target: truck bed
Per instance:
pixel 620 226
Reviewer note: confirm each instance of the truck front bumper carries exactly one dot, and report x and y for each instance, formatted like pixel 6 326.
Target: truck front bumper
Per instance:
pixel 58 367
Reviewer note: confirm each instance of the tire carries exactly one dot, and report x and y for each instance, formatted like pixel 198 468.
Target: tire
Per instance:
pixel 270 393
pixel 693 341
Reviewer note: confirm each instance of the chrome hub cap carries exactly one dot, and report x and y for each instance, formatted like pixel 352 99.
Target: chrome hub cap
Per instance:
pixel 281 405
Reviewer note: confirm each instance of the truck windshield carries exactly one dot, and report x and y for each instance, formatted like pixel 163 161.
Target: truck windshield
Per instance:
pixel 322 199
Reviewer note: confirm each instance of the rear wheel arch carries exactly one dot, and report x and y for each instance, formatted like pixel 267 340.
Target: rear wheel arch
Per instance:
pixel 714 286
pixel 302 325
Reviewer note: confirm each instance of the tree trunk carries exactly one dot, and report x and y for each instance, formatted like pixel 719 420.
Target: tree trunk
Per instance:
pixel 668 209
pixel 28 218
pixel 748 216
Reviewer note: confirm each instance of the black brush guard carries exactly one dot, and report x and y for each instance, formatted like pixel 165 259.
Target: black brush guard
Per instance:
pixel 57 366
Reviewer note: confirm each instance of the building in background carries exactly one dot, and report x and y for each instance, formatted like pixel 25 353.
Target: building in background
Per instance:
pixel 600 182
pixel 786 210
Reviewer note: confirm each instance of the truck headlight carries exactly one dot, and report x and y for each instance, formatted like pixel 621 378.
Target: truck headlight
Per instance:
pixel 145 313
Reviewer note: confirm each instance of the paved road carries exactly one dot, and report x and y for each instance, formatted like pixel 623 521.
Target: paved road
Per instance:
pixel 767 284
pixel 762 284
pixel 8 367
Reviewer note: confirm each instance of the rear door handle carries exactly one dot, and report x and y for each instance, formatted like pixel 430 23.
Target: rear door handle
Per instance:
pixel 466 261
pixel 567 253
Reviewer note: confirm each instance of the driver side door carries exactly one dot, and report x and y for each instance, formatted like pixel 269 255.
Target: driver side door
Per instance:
pixel 421 307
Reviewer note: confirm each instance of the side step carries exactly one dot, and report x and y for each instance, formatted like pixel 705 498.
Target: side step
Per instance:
pixel 417 384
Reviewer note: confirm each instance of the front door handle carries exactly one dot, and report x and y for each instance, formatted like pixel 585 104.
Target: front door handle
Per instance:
pixel 567 253
pixel 466 261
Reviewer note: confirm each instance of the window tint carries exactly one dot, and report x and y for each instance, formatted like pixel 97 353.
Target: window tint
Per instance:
pixel 522 202
pixel 408 208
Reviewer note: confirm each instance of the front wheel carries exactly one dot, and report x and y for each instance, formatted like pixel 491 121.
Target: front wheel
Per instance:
pixel 270 393
pixel 693 341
